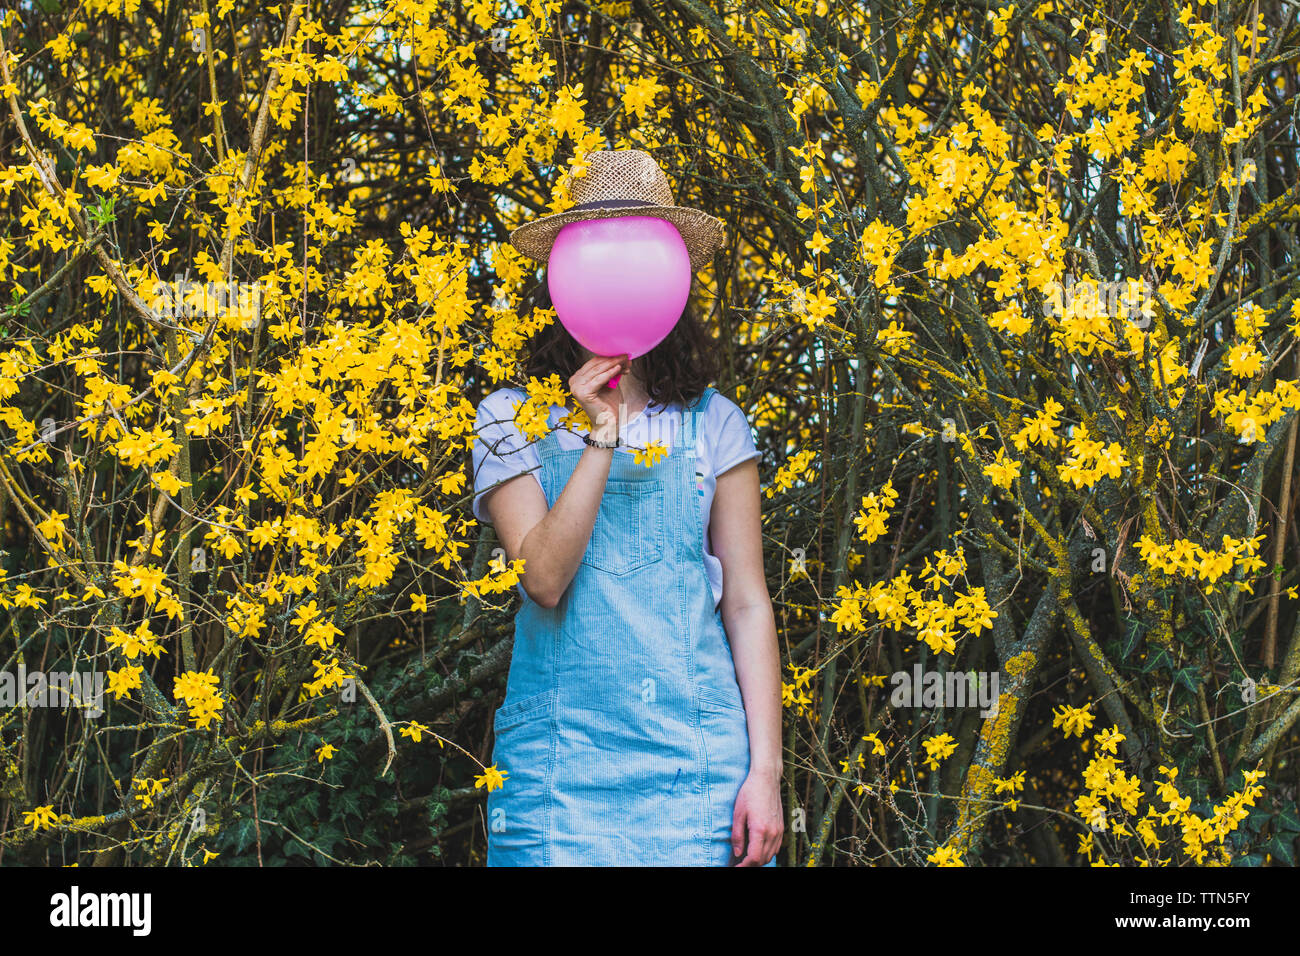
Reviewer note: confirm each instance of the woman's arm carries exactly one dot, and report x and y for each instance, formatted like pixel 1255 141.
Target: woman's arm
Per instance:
pixel 553 540
pixel 735 533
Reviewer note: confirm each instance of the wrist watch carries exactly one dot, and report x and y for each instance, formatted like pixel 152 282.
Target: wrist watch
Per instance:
pixel 595 443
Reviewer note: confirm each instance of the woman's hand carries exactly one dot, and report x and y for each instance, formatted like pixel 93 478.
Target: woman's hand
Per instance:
pixel 588 386
pixel 757 825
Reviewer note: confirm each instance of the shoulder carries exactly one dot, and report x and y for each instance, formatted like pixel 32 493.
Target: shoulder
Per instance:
pixel 728 438
pixel 500 403
pixel 505 395
pixel 723 412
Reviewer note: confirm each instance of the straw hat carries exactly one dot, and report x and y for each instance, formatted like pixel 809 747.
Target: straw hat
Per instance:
pixel 622 182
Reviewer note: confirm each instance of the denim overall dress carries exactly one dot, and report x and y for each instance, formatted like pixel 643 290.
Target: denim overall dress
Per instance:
pixel 623 731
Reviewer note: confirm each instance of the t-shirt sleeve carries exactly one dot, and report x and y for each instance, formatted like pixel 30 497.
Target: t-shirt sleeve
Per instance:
pixel 500 449
pixel 732 438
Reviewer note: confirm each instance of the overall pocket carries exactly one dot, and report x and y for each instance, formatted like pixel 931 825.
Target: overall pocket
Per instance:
pixel 518 811
pixel 628 533
pixel 512 712
pixel 726 739
pixel 522 744
pixel 717 699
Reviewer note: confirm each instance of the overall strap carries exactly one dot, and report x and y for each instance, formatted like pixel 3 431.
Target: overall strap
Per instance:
pixel 548 444
pixel 691 416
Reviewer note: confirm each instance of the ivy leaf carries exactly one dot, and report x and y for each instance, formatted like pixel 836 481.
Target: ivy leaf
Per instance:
pixel 1282 849
pixel 1158 658
pixel 243 835
pixel 1132 639
pixel 348 803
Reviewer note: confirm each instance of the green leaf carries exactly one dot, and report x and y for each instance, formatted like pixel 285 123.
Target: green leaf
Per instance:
pixel 1132 639
pixel 244 833
pixel 1282 849
pixel 1158 658
pixel 348 803
pixel 1288 820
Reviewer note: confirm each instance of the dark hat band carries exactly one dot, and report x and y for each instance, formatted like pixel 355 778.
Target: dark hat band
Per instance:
pixel 611 204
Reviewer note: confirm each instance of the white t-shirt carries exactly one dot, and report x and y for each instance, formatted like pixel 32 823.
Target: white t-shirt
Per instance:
pixel 724 440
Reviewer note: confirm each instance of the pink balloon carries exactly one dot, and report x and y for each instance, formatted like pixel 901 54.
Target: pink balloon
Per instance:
pixel 619 285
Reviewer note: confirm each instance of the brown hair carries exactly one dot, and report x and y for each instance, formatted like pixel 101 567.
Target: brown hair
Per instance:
pixel 678 369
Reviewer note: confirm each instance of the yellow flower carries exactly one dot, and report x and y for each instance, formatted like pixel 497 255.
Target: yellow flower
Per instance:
pixel 1002 470
pixel 651 455
pixel 873 517
pixel 492 778
pixel 52 527
pixel 169 482
pixel 124 680
pixel 945 856
pixel 198 691
pixel 1073 720
pixel 1108 740
pixel 305 615
pixel 1011 784
pixel 639 95
pixel 325 752
pixel 895 339
pixel 1244 360
pixel 937 748
pixel 818 243
pixel 416 731
pixel 41 818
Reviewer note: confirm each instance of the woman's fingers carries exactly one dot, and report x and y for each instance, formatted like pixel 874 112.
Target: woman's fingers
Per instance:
pixel 756 842
pixel 772 845
pixel 752 840
pixel 593 370
pixel 738 819
pixel 587 381
pixel 617 370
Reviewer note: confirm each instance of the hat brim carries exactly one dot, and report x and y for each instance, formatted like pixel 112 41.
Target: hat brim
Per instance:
pixel 702 233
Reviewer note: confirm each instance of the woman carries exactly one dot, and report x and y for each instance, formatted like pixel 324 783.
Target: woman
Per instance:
pixel 641 724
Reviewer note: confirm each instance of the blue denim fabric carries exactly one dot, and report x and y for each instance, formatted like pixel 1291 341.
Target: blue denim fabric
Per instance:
pixel 623 730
